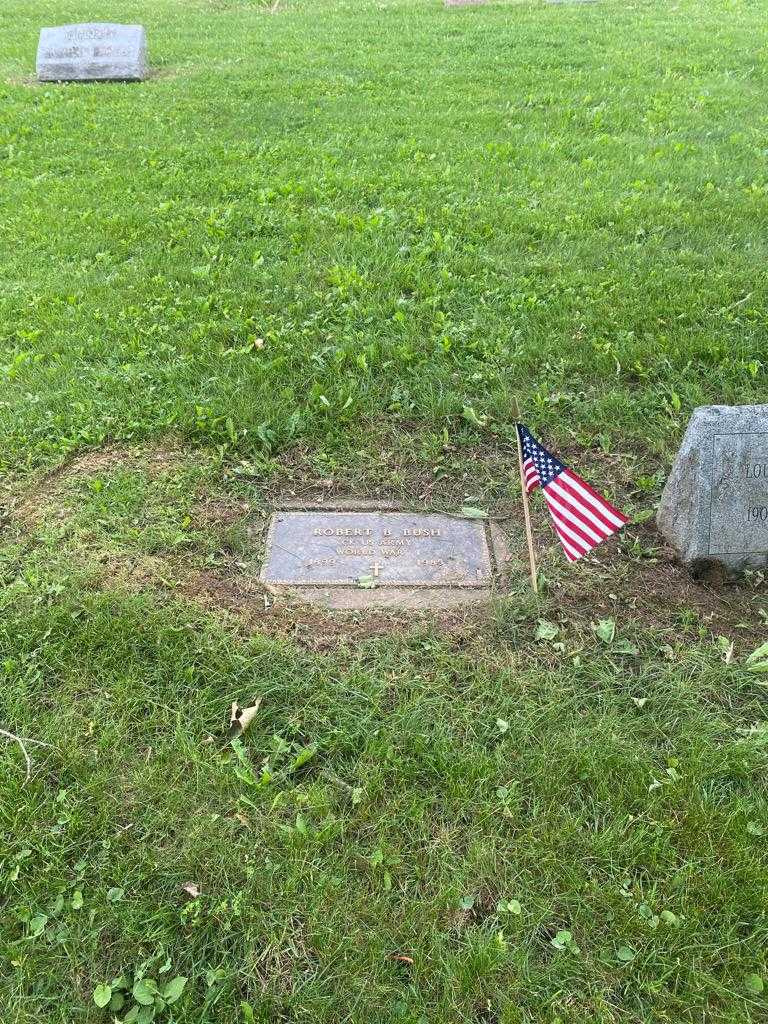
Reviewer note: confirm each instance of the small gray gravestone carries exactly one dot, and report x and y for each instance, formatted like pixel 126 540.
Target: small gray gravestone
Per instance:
pixel 714 508
pixel 92 53
pixel 464 3
pixel 354 559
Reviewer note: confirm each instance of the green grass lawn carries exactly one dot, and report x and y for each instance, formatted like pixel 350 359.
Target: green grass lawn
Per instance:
pixel 319 252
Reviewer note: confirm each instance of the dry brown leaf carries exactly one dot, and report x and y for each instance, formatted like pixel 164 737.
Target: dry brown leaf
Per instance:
pixel 242 718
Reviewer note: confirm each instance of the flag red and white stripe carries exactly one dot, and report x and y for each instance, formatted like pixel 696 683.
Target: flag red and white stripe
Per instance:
pixel 582 517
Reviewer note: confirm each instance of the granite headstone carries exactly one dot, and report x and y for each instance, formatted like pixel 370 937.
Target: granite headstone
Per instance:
pixel 96 52
pixel 464 3
pixel 714 509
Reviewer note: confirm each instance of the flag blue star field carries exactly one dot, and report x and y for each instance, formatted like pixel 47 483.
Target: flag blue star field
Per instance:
pixel 582 517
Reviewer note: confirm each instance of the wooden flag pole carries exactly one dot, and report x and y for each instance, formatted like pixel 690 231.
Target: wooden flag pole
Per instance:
pixel 526 508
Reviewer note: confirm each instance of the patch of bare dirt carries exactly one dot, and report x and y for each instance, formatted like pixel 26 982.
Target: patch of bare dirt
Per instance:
pixel 43 498
pixel 646 589
pixel 136 573
pixel 659 593
pixel 258 608
pixel 394 469
pixel 220 513
pixel 394 472
pixel 649 590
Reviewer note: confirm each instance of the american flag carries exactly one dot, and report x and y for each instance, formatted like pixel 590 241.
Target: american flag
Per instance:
pixel 582 517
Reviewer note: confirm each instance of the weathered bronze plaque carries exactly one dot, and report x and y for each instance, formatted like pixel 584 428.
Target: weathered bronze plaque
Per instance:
pixel 382 549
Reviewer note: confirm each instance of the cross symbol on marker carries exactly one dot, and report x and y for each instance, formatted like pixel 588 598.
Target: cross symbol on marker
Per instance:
pixel 375 569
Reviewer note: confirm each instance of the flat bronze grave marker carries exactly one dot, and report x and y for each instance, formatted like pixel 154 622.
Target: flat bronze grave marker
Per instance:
pixel 381 549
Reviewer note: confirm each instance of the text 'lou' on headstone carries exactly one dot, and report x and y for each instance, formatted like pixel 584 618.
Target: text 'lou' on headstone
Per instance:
pixel 714 508
pixel 95 52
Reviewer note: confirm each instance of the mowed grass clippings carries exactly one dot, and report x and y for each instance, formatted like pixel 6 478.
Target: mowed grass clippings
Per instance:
pixel 313 253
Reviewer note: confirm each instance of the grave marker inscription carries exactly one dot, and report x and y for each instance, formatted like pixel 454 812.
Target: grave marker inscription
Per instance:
pixel 96 52
pixel 715 503
pixel 385 549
